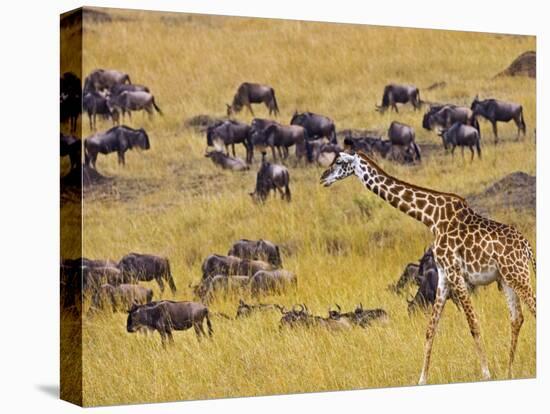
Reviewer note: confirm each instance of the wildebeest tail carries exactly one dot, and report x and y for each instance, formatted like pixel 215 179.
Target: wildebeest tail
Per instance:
pixel 521 120
pixel 418 100
pixel 155 105
pixel 417 151
pixel 127 78
pixel 475 124
pixel 86 155
pixel 478 148
pixel 275 105
pixel 169 278
pixel 287 188
pixel 208 323
pixel 386 97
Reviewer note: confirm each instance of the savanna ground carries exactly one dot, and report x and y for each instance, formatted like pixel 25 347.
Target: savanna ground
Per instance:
pixel 345 245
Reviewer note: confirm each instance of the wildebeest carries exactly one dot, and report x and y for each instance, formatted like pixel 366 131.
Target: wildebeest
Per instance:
pixel 327 153
pixel 410 274
pixel 249 93
pixel 220 283
pixel 70 96
pixel 403 135
pixel 216 264
pixel 167 316
pixel 95 276
pixel 284 136
pixel 445 116
pixel 128 101
pixel 266 281
pixel 427 279
pixel 117 139
pixel 316 126
pixel 101 79
pixel 499 111
pixel 230 133
pixel 72 147
pixel 97 104
pixel 463 136
pixel 257 250
pixel 271 177
pixel 118 88
pixel 123 296
pixel 394 94
pixel 296 317
pixel 147 267
pixel 359 316
pixel 245 309
pixel 226 162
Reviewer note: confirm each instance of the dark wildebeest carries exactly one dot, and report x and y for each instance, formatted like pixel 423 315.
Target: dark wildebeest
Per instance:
pixel 72 147
pixel 97 104
pixel 70 99
pixel 499 111
pixel 95 276
pixel 409 275
pixel 463 136
pixel 316 126
pixel 128 101
pixel 403 135
pixel 118 88
pixel 394 94
pixel 216 264
pixel 117 139
pixel 296 317
pixel 249 93
pixel 166 316
pixel 147 267
pixel 283 137
pixel 427 279
pixel 101 79
pixel 327 153
pixel 257 250
pixel 245 310
pixel 122 296
pixel 271 177
pixel 266 281
pixel 445 116
pixel 230 133
pixel 220 283
pixel 226 162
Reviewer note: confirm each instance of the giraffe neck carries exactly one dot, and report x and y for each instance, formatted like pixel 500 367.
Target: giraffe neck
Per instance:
pixel 425 205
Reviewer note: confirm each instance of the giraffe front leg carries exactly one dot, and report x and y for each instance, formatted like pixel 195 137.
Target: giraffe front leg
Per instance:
pixel 516 320
pixel 440 300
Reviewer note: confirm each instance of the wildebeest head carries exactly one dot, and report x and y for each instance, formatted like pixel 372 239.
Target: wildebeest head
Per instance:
pixel 476 105
pixel 343 166
pixel 444 137
pixel 335 314
pixel 142 140
pixel 136 318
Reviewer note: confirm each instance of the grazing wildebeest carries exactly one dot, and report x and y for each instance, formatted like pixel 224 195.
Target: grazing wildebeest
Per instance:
pixel 499 111
pixel 72 147
pixel 245 310
pixel 463 136
pixel 123 296
pixel 226 162
pixel 257 250
pixel 271 177
pixel 117 139
pixel 70 96
pixel 394 94
pixel 410 274
pixel 166 316
pixel 316 126
pixel 147 267
pixel 95 276
pixel 266 281
pixel 445 116
pixel 230 133
pixel 220 283
pixel 216 264
pixel 249 93
pixel 101 79
pixel 403 135
pixel 427 279
pixel 283 137
pixel 128 101
pixel 97 104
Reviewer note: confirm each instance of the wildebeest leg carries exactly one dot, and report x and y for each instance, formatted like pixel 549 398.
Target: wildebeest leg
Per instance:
pixel 250 108
pixel 273 152
pixel 462 152
pixel 198 330
pixel 453 151
pixel 495 131
pixel 121 159
pixel 472 151
pixel 281 153
pixel 233 149
pixel 160 282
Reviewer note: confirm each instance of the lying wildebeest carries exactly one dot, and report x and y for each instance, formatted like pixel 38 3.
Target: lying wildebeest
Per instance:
pixel 463 136
pixel 70 99
pixel 296 317
pixel 361 317
pixel 394 94
pixel 271 177
pixel 123 296
pixel 403 135
pixel 117 139
pixel 226 162
pixel 257 250
pixel 166 316
pixel 409 275
pixel 97 104
pixel 72 147
pixel 266 281
pixel 147 267
pixel 101 79
pixel 249 93
pixel 216 264
pixel 499 111
pixel 316 126
pixel 284 136
pixel 245 310
pixel 128 101
pixel 230 133
pixel 220 283
pixel 445 116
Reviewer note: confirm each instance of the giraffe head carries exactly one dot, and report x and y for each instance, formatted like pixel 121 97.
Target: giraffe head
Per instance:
pixel 343 166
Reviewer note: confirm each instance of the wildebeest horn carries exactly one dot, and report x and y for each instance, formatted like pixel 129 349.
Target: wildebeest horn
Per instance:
pixel 339 308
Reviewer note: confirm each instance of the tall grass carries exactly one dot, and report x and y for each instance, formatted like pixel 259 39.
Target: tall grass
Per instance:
pixel 344 244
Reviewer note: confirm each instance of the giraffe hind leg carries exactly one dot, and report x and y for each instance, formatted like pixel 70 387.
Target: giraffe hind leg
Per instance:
pixel 519 281
pixel 516 320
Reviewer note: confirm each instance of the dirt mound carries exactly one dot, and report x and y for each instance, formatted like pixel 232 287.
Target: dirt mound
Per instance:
pixel 84 176
pixel 523 65
pixel 516 191
pixel 202 121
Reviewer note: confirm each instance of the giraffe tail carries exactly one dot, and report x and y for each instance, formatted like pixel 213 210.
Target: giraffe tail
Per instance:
pixel 531 255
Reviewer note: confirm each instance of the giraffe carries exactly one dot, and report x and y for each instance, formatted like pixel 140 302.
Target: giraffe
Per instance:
pixel 468 249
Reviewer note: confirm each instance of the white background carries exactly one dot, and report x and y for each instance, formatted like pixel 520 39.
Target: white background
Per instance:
pixel 29 217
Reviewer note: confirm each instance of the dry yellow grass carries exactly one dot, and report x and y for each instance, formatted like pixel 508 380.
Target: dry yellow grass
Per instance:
pixel 172 201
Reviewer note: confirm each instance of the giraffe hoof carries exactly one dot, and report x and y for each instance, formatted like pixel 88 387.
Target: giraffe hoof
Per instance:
pixel 422 381
pixel 486 375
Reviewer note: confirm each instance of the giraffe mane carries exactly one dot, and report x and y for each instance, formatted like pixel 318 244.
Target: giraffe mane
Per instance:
pixel 369 160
